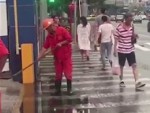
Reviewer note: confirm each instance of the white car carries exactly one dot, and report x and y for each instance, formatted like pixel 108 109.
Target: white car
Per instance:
pixel 112 17
pixel 119 17
pixel 144 17
pixel 137 19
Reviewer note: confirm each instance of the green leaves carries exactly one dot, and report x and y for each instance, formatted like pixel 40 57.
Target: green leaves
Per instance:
pixel 51 1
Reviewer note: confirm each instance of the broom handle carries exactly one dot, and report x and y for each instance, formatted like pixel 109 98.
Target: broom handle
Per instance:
pixel 24 68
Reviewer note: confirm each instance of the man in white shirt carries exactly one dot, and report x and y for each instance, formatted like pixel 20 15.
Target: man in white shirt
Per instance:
pixel 105 34
pixel 98 22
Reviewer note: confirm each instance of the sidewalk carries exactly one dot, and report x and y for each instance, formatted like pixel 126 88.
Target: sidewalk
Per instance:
pixel 11 96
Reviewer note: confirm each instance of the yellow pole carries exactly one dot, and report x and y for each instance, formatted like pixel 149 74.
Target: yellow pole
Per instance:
pixel 27 58
pixel 16 26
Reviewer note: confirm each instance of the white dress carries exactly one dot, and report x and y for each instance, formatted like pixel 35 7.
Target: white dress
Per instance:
pixel 84 36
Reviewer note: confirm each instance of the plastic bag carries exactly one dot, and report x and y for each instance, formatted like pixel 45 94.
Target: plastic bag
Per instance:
pixel 115 66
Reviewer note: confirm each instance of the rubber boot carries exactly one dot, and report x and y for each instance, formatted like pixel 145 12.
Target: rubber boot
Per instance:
pixel 69 88
pixel 57 88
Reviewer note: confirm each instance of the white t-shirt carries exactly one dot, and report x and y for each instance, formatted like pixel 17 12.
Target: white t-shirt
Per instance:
pixel 106 31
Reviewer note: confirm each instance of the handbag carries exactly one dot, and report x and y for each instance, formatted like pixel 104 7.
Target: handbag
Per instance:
pixel 115 66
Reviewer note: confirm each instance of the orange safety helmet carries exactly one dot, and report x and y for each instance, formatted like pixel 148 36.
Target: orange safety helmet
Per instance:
pixel 47 22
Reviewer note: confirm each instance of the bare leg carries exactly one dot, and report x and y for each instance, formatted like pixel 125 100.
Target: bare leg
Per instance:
pixel 135 72
pixel 87 55
pixel 121 77
pixel 82 54
pixel 121 73
pixel 136 77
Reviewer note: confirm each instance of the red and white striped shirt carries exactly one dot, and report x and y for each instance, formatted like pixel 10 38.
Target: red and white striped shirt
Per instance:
pixel 124 39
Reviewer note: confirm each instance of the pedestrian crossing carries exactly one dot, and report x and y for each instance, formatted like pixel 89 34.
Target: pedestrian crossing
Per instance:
pixel 95 90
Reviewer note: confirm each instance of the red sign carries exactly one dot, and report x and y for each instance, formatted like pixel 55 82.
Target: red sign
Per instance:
pixel 71 12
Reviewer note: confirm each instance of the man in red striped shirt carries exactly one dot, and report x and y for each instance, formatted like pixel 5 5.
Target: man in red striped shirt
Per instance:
pixel 125 48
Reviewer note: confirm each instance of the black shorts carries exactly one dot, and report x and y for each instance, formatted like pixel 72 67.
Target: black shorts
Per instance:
pixel 129 56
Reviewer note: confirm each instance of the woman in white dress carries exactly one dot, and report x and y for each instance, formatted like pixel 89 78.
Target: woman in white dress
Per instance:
pixel 83 32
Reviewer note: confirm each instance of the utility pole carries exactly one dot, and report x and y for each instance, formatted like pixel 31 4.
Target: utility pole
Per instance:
pixel 84 8
pixel 75 20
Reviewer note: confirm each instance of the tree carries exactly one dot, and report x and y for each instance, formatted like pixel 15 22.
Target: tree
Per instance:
pixel 58 6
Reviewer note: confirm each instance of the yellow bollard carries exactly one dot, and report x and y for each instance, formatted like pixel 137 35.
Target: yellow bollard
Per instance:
pixel 29 98
pixel 27 59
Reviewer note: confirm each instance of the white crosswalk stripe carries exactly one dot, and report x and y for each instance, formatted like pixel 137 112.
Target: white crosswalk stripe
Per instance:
pixel 148 43
pixel 141 48
pixel 143 35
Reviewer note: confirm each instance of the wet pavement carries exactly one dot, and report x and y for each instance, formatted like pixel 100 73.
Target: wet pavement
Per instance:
pixel 95 91
pixel 11 96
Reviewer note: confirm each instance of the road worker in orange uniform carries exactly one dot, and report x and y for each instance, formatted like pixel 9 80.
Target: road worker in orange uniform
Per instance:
pixel 59 41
